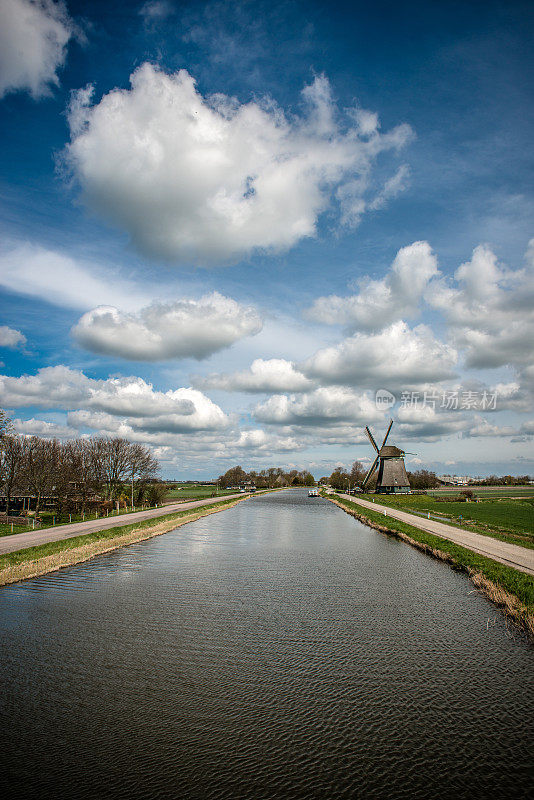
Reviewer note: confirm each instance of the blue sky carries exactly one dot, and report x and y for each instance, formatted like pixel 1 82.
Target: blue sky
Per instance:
pixel 227 225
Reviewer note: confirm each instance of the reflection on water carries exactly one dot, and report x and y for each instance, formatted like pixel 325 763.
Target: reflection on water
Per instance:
pixel 276 650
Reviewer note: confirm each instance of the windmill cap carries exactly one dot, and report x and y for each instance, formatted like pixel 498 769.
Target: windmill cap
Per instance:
pixel 390 451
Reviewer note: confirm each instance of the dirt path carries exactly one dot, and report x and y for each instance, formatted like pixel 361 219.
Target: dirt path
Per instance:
pixel 21 541
pixel 512 555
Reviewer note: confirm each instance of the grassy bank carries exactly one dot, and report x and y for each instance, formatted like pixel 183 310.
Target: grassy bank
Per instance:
pixel 52 556
pixel 511 590
pixel 505 519
pixel 49 519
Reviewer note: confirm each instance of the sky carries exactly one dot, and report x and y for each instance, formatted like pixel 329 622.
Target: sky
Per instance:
pixel 238 232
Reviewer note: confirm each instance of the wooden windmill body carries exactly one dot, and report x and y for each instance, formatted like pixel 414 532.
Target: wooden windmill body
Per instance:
pixel 392 477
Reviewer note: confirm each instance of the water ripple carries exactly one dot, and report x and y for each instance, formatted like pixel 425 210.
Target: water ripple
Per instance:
pixel 277 650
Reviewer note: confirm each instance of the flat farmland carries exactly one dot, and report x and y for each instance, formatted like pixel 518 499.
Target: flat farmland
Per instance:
pixel 484 491
pixel 507 519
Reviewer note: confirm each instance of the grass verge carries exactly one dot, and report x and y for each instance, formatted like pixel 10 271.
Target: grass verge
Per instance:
pixel 511 590
pixel 52 556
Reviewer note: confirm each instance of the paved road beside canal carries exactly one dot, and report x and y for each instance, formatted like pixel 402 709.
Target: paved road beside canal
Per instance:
pixel 512 555
pixel 21 541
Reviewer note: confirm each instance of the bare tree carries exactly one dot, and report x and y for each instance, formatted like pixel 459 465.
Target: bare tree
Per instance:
pixel 111 462
pixel 12 461
pixel 357 474
pixel 42 458
pixel 78 475
pixel 6 426
pixel 141 466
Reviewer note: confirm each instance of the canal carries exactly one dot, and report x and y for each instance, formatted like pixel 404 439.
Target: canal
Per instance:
pixel 279 649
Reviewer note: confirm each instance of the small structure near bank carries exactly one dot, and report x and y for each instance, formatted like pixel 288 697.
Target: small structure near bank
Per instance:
pixel 392 477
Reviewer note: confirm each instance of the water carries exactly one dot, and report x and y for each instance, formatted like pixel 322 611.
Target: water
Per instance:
pixel 276 650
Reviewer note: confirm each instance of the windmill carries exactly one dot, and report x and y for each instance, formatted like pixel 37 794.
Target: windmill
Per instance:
pixel 392 477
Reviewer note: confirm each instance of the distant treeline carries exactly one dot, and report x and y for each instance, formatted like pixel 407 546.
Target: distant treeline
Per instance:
pixel 341 479
pixel 75 473
pixel 270 478
pixel 505 480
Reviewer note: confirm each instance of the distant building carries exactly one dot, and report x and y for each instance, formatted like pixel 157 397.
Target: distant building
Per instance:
pixel 455 480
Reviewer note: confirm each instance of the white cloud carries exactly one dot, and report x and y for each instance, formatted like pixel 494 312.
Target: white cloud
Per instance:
pixel 155 11
pixel 381 302
pixel 491 310
pixel 143 407
pixel 39 427
pixel 33 43
pixel 392 188
pixel 260 440
pixel 397 357
pixel 265 375
pixel 192 177
pixel 9 337
pixel 426 424
pixel 483 428
pixel 326 406
pixel 35 271
pixel 179 329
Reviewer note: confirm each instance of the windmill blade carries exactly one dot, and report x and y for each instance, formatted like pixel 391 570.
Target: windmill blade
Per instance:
pixel 371 470
pixel 387 432
pixel 370 435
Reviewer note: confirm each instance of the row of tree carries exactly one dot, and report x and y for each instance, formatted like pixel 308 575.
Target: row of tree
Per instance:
pixel 269 478
pixel 505 480
pixel 342 479
pixel 75 472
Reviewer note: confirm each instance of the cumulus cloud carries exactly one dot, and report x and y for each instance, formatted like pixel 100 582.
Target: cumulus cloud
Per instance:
pixel 428 424
pixel 260 440
pixel 528 428
pixel 39 427
pixel 265 375
pixel 34 35
pixel 483 428
pixel 328 405
pixel 183 409
pixel 9 337
pixel 209 178
pixel 180 329
pixel 381 302
pixel 36 271
pixel 490 310
pixel 397 357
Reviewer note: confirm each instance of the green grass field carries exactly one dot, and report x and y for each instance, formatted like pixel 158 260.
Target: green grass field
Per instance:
pixel 485 491
pixel 506 519
pixel 192 491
